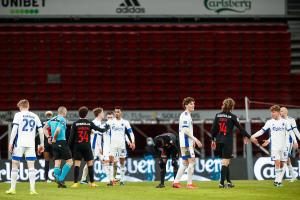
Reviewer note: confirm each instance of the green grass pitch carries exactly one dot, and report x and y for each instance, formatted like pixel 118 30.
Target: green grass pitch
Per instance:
pixel 244 190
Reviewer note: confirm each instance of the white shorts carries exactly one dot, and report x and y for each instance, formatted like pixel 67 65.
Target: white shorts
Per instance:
pixel 187 152
pixel 29 153
pixel 281 155
pixel 118 152
pixel 289 149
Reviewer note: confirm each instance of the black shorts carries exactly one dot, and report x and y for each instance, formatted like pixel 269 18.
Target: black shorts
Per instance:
pixel 48 147
pixel 61 150
pixel 83 151
pixel 170 153
pixel 224 150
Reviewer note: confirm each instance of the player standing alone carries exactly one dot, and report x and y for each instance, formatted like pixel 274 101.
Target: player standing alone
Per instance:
pixel 186 142
pixel 22 142
pixel 222 141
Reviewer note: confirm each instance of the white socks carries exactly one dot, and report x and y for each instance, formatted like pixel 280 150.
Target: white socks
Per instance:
pixel 106 169
pixel 122 172
pixel 32 179
pixel 111 171
pixel 277 174
pixel 291 171
pixel 190 172
pixel 84 173
pixel 180 172
pixel 14 176
pixel 281 175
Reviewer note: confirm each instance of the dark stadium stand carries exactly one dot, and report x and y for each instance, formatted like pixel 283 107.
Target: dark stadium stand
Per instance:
pixel 131 64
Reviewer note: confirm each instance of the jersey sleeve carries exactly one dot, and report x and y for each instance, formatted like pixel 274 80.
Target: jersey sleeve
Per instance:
pixel 293 124
pixel 266 126
pixel 16 120
pixel 215 128
pixel 184 121
pixel 238 125
pixel 38 122
pixel 129 131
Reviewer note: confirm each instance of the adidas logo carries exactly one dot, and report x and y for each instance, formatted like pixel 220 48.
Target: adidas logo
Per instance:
pixel 130 6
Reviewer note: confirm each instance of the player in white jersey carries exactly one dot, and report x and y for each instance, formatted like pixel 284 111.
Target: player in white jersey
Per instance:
pixel 186 142
pixel 96 138
pixel 290 140
pixel 119 127
pixel 22 142
pixel 279 129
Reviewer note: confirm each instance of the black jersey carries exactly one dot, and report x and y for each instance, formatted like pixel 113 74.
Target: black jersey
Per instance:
pixel 169 141
pixel 222 128
pixel 81 131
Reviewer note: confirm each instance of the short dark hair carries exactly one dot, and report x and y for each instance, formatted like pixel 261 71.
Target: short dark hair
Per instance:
pixel 118 108
pixel 187 100
pixel 96 111
pixel 83 111
pixel 109 113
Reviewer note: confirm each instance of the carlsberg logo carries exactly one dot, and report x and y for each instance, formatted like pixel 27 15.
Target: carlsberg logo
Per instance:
pixel 238 6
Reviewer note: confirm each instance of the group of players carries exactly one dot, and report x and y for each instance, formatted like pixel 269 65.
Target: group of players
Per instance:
pixel 116 131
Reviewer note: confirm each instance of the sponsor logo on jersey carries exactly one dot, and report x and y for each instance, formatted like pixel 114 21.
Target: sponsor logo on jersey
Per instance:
pixel 237 6
pixel 130 7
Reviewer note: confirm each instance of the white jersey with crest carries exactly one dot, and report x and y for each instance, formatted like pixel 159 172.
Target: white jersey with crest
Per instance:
pixel 96 138
pixel 118 129
pixel 28 123
pixel 279 130
pixel 185 121
pixel 293 124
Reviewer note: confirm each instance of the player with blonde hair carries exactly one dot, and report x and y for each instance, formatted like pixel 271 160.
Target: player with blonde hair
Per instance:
pixel 22 142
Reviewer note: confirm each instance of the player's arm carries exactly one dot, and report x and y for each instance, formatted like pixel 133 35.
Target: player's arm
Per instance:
pixel 72 136
pixel 131 135
pixel 185 130
pixel 12 137
pixel 214 130
pixel 266 142
pixel 295 129
pixel 259 133
pixel 101 130
pixel 292 134
pixel 242 130
pixel 57 131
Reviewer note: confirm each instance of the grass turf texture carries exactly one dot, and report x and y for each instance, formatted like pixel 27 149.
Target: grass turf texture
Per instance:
pixel 245 190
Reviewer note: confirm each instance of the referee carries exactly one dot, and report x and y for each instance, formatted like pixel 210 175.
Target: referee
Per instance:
pixel 222 139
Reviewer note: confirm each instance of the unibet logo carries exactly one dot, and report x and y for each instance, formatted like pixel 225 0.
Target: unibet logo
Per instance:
pixel 238 6
pixel 130 6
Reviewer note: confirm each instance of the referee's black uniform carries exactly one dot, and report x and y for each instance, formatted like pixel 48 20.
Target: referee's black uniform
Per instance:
pixel 222 134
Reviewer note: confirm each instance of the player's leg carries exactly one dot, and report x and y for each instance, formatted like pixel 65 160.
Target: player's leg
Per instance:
pixel 77 163
pixel 291 170
pixel 30 158
pixel 14 176
pixel 227 155
pixel 90 165
pixel 84 175
pixel 190 169
pixel 46 155
pixel 122 169
pixel 57 161
pixel 184 164
pixel 162 166
pixel 66 155
pixel 105 162
pixel 16 157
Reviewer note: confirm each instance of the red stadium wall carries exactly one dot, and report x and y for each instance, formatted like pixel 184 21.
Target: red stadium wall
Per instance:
pixel 145 66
